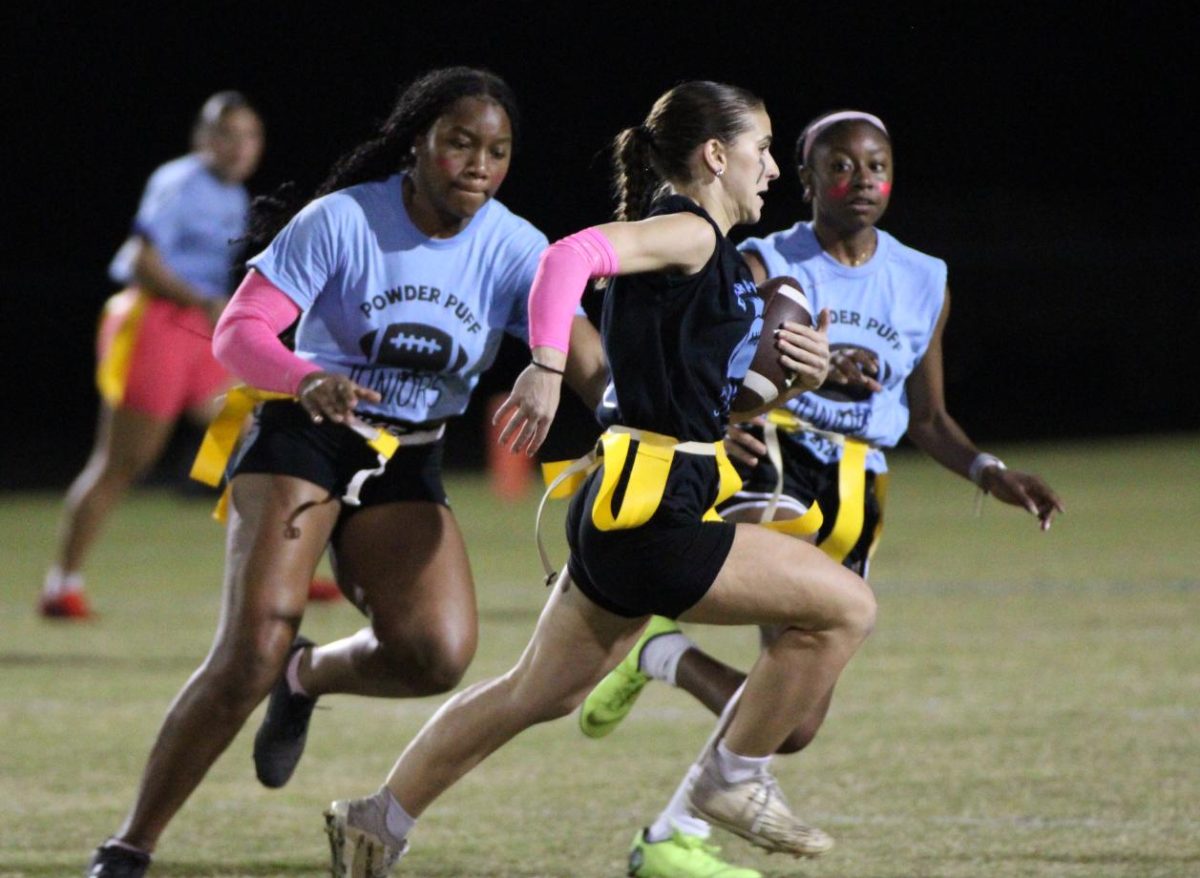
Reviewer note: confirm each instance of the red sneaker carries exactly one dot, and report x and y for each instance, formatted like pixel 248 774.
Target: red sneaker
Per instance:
pixel 68 605
pixel 323 591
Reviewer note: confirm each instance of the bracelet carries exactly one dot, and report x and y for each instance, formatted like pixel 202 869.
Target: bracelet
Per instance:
pixel 982 462
pixel 559 372
pixel 310 387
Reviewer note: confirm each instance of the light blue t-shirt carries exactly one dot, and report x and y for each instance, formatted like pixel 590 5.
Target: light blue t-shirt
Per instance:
pixel 416 318
pixel 192 218
pixel 888 306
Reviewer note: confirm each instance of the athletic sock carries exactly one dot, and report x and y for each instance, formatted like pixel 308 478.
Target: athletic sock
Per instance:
pixel 293 674
pixel 736 768
pixel 399 823
pixel 660 656
pixel 382 816
pixel 59 583
pixel 676 816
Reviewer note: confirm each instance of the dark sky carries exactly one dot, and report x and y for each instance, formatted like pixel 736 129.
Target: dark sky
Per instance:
pixel 1039 150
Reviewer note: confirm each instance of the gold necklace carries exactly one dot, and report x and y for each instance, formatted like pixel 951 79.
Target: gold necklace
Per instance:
pixel 865 256
pixel 854 260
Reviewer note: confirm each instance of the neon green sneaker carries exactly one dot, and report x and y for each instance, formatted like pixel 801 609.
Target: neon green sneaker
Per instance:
pixel 681 856
pixel 613 697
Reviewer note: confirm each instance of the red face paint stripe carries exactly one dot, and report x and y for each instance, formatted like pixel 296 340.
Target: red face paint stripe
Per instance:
pixel 838 191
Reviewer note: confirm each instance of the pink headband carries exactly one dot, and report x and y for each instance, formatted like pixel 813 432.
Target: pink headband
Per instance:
pixel 811 132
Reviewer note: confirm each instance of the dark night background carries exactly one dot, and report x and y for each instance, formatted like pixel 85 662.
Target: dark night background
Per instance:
pixel 1040 151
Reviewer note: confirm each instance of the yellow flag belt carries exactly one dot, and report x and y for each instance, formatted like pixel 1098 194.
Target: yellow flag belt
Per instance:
pixel 223 433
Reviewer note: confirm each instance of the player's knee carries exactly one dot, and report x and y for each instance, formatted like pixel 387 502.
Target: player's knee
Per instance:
pixel 119 472
pixel 252 659
pixel 125 465
pixel 849 613
pixel 853 615
pixel 441 671
pixel 432 663
pixel 236 684
pixel 862 610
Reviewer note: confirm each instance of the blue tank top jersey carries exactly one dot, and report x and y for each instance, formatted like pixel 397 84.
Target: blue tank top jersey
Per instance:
pixel 192 218
pixel 417 319
pixel 888 306
pixel 678 346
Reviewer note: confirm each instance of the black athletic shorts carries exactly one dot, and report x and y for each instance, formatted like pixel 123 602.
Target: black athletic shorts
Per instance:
pixel 808 480
pixel 662 566
pixel 284 441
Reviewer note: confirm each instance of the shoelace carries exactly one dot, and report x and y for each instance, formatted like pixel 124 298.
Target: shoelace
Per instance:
pixel 768 792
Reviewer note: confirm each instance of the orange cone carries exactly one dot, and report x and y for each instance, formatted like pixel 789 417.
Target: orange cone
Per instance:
pixel 510 475
pixel 323 591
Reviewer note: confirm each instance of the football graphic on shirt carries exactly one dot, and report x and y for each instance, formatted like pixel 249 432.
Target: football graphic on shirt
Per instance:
pixel 413 346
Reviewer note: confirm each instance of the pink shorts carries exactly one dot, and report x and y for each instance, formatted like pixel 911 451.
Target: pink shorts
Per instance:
pixel 155 357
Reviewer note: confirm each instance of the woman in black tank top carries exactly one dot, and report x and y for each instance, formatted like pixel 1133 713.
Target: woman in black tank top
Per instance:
pixel 679 326
pixel 670 337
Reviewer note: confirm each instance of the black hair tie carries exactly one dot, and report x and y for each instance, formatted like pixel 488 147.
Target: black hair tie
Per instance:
pixel 559 372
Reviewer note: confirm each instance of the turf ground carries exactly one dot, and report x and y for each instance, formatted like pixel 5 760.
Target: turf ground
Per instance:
pixel 1029 705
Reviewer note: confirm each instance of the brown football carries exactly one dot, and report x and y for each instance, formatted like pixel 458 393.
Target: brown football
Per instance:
pixel 767 378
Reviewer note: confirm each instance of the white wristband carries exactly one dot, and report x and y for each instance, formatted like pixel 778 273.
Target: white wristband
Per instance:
pixel 310 387
pixel 983 461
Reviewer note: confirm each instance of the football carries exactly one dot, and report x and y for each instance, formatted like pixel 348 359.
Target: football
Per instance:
pixel 766 377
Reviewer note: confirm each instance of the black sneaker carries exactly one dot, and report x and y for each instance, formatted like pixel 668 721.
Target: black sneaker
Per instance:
pixel 111 861
pixel 279 742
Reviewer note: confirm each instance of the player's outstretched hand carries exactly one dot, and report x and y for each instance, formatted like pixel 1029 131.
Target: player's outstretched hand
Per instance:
pixel 1025 490
pixel 804 351
pixel 530 410
pixel 333 396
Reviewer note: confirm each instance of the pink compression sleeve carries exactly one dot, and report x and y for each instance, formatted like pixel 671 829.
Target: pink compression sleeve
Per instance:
pixel 562 273
pixel 246 340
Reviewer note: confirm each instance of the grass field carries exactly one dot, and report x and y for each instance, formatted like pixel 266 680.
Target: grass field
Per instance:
pixel 1029 705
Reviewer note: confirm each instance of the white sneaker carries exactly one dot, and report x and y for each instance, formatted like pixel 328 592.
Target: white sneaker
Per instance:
pixel 756 810
pixel 356 831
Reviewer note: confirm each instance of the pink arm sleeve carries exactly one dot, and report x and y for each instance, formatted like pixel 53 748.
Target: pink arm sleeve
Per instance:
pixel 562 273
pixel 246 338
